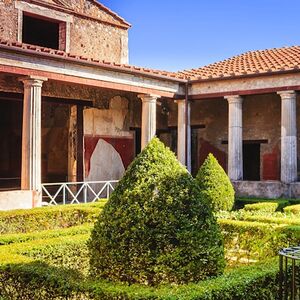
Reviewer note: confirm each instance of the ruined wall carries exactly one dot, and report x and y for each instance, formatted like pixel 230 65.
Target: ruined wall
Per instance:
pixel 99 41
pixel 8 20
pixel 88 37
pixel 55 124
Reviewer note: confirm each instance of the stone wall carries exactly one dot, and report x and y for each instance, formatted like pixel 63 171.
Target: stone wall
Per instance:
pixel 88 37
pixel 99 41
pixel 8 20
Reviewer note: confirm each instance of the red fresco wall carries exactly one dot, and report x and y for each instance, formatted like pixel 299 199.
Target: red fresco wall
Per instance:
pixel 123 145
pixel 206 148
pixel 271 165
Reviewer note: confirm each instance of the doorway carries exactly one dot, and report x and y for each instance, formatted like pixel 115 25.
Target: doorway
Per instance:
pixel 251 161
pixel 11 144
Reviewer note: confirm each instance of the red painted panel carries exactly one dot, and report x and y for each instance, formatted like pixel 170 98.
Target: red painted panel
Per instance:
pixel 271 169
pixel 206 148
pixel 124 146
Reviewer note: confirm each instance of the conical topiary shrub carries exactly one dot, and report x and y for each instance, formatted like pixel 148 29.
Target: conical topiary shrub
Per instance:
pixel 215 185
pixel 156 228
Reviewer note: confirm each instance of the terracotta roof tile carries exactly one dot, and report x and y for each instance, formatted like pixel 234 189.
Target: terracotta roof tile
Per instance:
pixel 249 63
pixel 61 54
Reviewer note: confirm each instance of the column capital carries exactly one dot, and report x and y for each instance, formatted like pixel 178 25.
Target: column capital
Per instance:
pixel 179 101
pixel 148 97
pixel 234 99
pixel 29 81
pixel 286 95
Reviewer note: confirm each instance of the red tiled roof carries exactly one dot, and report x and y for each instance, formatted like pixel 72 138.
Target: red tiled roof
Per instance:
pixel 249 63
pixel 37 50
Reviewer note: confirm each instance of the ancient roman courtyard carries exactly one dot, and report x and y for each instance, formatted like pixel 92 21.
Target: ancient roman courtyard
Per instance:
pixel 125 182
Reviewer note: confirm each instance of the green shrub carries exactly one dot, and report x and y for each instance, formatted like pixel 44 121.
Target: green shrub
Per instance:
pixel 246 242
pixel 156 227
pixel 215 185
pixel 241 202
pixel 6 239
pixel 294 209
pixel 42 282
pixel 47 218
pixel 262 207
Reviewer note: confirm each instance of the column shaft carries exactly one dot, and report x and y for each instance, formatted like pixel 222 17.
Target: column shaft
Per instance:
pixel 181 132
pixel 288 137
pixel 148 129
pixel 235 138
pixel 31 137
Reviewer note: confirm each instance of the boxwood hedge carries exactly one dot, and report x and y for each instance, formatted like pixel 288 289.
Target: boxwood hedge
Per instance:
pixel 215 185
pixel 156 227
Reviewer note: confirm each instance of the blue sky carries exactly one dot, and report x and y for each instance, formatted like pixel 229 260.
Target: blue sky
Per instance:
pixel 176 34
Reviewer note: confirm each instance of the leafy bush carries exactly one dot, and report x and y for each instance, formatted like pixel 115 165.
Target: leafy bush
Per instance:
pixel 262 207
pixel 294 209
pixel 215 185
pixel 46 218
pixel 156 227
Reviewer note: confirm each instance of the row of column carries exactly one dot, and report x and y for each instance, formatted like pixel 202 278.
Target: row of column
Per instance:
pixel 148 128
pixel 31 138
pixel 235 133
pixel 288 137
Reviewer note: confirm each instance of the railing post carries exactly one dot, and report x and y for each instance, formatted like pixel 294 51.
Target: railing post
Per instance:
pixel 280 276
pixel 64 194
pixel 85 193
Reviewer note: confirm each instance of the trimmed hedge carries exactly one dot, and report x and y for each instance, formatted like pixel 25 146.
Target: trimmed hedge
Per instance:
pixel 241 202
pixel 156 227
pixel 215 185
pixel 47 218
pixel 262 207
pixel 22 276
pixel 40 281
pixel 294 209
pixel 246 242
pixel 6 239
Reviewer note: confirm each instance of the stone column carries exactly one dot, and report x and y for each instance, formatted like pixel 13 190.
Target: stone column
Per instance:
pixel 184 133
pixel 288 137
pixel 235 138
pixel 148 129
pixel 31 137
pixel 181 131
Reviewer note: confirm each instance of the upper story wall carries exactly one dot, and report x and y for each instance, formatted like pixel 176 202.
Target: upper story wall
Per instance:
pixel 81 27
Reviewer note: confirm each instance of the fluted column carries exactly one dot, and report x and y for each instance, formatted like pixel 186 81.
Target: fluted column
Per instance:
pixel 148 129
pixel 31 136
pixel 288 137
pixel 235 138
pixel 183 133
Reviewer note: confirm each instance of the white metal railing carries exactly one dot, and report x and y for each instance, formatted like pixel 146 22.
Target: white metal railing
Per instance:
pixel 77 192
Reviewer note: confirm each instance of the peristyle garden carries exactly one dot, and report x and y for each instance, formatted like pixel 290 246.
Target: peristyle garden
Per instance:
pixel 162 235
